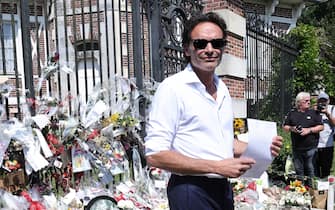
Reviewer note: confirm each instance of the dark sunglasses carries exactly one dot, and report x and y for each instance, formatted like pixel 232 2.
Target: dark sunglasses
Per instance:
pixel 202 43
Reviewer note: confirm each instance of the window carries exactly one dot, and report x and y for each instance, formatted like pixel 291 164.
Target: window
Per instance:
pixel 6 51
pixel 88 66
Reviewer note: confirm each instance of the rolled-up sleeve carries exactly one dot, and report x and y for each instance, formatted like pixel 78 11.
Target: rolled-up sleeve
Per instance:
pixel 163 120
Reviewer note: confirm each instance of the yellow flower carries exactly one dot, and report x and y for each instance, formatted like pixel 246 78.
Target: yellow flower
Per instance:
pixel 297 189
pixel 115 117
pixel 303 189
pixel 296 183
pixel 238 123
pixel 239 126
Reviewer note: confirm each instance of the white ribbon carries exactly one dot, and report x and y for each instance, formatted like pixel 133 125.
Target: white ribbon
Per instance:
pixel 43 143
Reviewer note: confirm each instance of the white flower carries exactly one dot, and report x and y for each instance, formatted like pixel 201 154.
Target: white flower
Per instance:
pixel 125 204
pixel 295 199
pixel 300 200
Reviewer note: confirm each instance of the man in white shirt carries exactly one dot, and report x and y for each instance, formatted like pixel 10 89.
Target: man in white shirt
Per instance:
pixel 190 128
pixel 325 153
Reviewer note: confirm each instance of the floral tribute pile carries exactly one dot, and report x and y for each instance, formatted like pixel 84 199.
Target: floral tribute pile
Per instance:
pixel 72 151
pixel 88 154
pixel 249 194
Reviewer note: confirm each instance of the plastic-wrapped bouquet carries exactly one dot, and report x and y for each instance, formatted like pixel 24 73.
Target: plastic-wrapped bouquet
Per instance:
pixel 296 194
pixel 293 198
pixel 296 186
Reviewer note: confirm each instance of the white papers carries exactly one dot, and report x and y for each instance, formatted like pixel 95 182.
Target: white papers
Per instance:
pixel 68 198
pixel 41 120
pixel 34 158
pixel 43 144
pixel 260 135
pixel 5 140
pixel 95 113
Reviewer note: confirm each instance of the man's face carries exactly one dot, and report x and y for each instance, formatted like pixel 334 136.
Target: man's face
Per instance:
pixel 208 58
pixel 323 101
pixel 305 103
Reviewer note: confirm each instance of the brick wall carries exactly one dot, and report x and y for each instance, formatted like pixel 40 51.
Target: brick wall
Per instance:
pixel 255 8
pixel 7 8
pixel 235 46
pixel 283 12
pixel 235 85
pixel 260 9
pixel 212 5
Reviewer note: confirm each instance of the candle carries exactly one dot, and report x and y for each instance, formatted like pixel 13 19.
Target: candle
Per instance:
pixel 330 199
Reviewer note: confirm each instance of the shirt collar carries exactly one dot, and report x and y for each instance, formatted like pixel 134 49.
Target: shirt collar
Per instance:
pixel 191 77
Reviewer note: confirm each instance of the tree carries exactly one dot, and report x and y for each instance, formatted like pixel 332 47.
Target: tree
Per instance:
pixel 311 70
pixel 322 16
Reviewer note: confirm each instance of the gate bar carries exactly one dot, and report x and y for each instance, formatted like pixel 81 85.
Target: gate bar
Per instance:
pixel 27 59
pixel 137 44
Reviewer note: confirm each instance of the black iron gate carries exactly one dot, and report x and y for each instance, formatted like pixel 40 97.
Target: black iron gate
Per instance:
pixel 174 14
pixel 63 48
pixel 168 40
pixel 270 70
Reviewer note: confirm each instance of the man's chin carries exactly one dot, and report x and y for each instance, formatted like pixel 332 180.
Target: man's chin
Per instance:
pixel 211 65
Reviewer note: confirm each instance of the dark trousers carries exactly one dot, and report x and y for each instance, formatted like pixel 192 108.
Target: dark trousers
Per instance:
pixel 199 193
pixel 304 162
pixel 324 161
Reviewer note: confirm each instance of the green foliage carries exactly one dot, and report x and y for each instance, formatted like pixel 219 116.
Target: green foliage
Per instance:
pixel 278 164
pixel 311 71
pixel 285 151
pixel 275 105
pixel 322 16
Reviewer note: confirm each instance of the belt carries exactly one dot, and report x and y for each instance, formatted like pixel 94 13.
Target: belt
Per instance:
pixel 199 178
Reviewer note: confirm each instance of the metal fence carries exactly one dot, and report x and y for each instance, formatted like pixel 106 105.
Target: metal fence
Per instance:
pixel 67 48
pixel 63 48
pixel 270 71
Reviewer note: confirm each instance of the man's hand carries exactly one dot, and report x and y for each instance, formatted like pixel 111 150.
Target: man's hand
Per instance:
pixel 234 167
pixel 277 143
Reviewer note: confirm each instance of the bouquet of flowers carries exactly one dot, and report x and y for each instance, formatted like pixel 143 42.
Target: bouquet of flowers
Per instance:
pixel 296 186
pixel 296 194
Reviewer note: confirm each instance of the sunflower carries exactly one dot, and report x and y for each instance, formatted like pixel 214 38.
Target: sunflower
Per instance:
pixel 238 123
pixel 239 126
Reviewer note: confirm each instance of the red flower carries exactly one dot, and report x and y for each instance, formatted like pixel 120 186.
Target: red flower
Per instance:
pixel 119 197
pixel 31 102
pixel 34 205
pixel 252 186
pixel 92 135
pixel 55 58
pixel 52 138
pixel 60 150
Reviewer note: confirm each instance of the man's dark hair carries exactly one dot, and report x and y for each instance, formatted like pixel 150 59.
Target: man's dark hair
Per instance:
pixel 195 20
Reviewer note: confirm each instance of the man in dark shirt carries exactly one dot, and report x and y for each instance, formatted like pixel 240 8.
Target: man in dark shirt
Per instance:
pixel 304 124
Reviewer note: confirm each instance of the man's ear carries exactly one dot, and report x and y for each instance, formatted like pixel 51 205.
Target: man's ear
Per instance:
pixel 186 51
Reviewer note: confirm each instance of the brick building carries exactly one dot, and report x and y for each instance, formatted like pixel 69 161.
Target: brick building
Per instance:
pixel 280 15
pixel 75 28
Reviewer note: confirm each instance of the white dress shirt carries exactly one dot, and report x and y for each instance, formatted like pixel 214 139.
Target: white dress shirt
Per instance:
pixel 184 117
